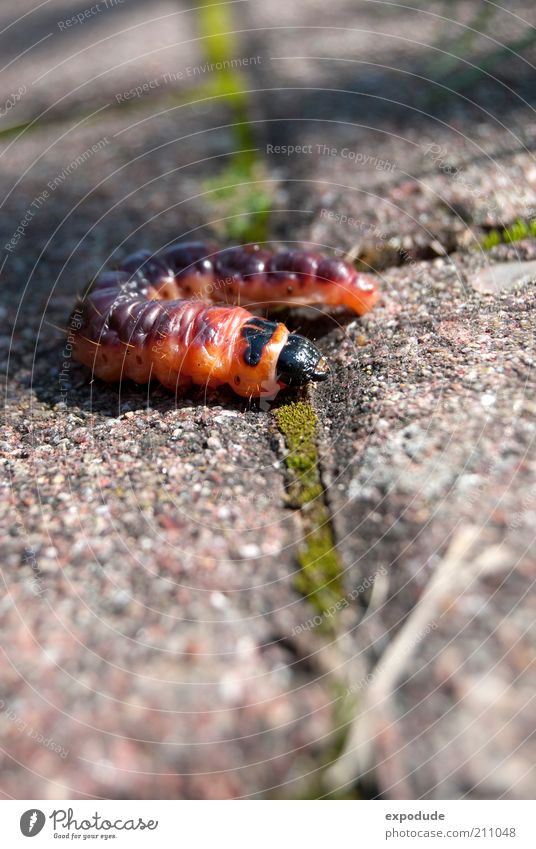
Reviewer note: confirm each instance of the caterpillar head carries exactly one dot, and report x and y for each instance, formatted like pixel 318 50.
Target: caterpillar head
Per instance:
pixel 300 362
pixel 270 358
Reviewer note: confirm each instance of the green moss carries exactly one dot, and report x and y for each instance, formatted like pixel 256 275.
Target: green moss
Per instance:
pixel 520 229
pixel 319 578
pixel 216 26
pixel 217 29
pixel 298 423
pixel 241 199
pixel 240 196
pixel 492 239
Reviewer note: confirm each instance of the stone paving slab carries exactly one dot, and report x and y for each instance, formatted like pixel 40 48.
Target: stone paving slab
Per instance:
pixel 432 465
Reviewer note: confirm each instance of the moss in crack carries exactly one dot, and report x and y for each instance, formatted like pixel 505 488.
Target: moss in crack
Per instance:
pixel 320 575
pixel 298 424
pixel 520 229
pixel 241 199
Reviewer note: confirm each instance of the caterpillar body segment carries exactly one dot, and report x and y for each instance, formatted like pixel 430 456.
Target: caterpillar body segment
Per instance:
pixel 126 332
pixel 251 276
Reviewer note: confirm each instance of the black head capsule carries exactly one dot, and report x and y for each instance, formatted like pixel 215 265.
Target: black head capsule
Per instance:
pixel 300 362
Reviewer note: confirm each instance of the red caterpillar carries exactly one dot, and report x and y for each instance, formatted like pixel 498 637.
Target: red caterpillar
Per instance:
pixel 152 318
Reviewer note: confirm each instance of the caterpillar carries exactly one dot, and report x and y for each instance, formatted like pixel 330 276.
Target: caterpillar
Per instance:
pixel 167 317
